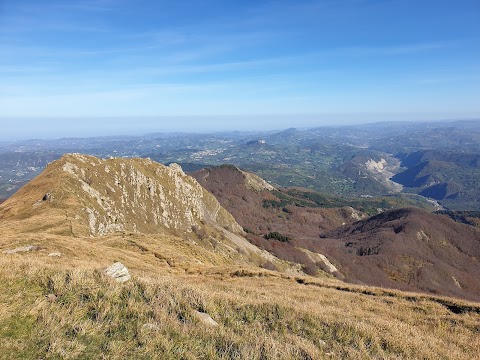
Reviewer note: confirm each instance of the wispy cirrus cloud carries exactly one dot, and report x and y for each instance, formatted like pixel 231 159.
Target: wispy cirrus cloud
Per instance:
pixel 35 8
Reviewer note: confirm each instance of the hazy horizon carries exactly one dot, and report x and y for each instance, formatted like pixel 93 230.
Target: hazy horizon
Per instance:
pixel 31 129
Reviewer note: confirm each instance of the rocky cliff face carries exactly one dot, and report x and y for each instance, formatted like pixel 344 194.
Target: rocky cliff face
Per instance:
pixel 83 195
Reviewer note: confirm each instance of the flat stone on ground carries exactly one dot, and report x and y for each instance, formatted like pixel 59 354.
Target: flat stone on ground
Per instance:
pixel 22 249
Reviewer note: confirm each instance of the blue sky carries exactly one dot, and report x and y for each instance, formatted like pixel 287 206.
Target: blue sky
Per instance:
pixel 123 66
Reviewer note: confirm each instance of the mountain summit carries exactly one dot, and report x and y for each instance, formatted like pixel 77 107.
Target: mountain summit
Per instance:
pixel 83 195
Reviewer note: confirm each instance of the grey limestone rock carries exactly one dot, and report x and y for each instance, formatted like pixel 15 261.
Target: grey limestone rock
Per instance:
pixel 205 318
pixel 118 271
pixel 22 249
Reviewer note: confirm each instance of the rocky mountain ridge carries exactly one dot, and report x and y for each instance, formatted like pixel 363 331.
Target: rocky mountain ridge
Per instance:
pixel 88 196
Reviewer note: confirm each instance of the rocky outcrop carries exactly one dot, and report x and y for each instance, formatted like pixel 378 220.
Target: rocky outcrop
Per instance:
pixel 256 183
pixel 205 319
pixel 232 176
pixel 118 272
pixel 92 196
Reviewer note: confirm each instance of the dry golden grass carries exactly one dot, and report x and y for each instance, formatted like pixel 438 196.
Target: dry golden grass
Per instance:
pixel 261 314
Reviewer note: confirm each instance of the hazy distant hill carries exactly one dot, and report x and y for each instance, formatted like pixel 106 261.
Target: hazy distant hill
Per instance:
pixel 449 177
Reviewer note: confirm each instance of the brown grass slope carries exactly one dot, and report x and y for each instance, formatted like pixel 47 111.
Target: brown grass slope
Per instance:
pixel 409 249
pixel 65 308
pixel 232 188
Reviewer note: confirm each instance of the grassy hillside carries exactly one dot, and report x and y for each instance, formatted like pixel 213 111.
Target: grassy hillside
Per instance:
pixel 260 314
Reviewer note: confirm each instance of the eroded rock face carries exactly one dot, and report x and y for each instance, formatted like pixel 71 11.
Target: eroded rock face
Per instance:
pixel 378 166
pixel 138 194
pixel 101 196
pixel 256 183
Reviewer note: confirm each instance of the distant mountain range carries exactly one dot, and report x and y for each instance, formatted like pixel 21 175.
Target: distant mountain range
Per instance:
pixel 437 160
